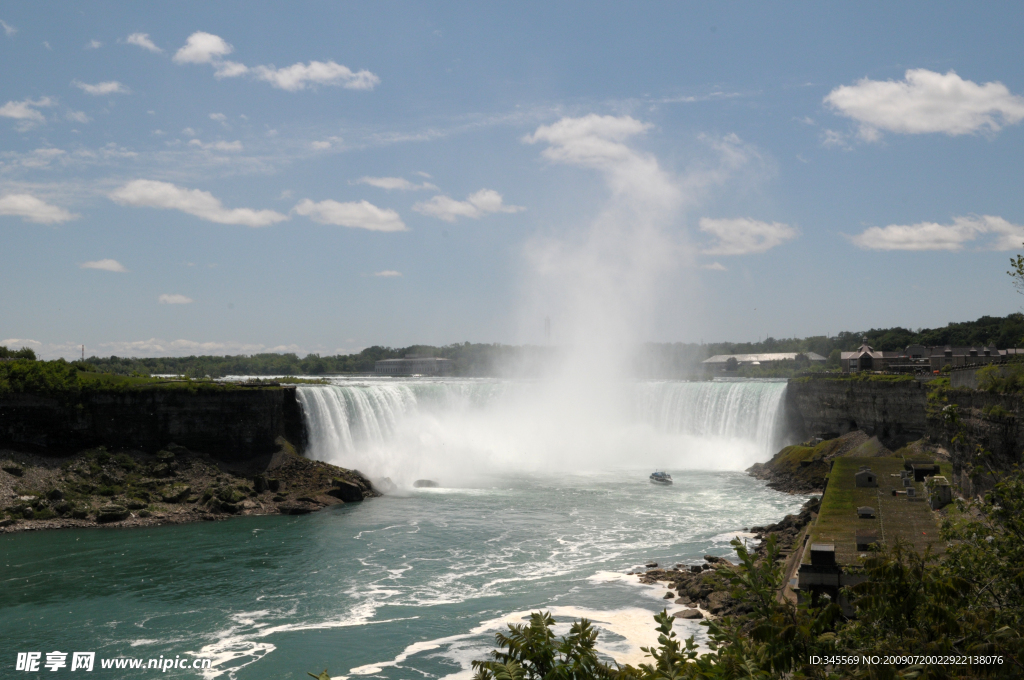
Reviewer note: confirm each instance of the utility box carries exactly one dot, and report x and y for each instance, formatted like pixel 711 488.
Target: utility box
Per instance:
pixel 823 554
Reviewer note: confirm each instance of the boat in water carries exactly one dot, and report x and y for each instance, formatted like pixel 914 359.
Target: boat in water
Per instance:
pixel 661 478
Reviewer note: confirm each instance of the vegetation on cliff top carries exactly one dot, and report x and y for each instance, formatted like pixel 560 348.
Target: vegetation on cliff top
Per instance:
pixel 484 359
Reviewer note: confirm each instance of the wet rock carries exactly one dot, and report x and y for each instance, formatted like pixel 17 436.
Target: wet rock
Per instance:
pixel 175 493
pixel 294 508
pixel 346 491
pixel 112 513
pixel 696 569
pixel 717 601
pixel 668 596
pixel 711 559
pixel 688 614
pixel 425 484
pixel 651 565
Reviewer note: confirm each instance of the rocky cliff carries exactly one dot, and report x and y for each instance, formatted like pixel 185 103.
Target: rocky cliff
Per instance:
pixel 230 424
pixel 882 408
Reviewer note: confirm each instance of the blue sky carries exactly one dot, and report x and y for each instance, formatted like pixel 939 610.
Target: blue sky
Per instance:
pixel 242 177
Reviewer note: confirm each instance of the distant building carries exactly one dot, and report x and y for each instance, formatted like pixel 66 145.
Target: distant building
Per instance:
pixel 918 358
pixel 730 362
pixel 413 365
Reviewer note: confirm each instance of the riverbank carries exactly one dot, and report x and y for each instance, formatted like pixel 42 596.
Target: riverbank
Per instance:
pixel 175 485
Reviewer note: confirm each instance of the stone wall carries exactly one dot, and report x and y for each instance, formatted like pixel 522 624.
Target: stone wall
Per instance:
pixel 885 409
pixel 229 424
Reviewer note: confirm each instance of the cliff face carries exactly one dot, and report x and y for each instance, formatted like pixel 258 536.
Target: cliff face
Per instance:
pixel 880 408
pixel 229 424
pixel 993 436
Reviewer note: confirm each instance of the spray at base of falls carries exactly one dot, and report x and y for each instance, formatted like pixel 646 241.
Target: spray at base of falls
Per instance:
pixel 463 431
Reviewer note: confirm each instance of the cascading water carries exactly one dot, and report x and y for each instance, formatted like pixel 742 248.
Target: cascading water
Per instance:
pixel 461 430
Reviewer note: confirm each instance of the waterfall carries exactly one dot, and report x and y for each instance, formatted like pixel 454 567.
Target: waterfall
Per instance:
pixel 407 429
pixel 739 409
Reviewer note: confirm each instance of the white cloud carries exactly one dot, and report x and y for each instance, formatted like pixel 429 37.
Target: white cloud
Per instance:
pixel 202 204
pixel 93 45
pixel 298 76
pixel 475 206
pixel 105 265
pixel 33 209
pixel 743 236
pixel 424 174
pixel 229 69
pixel 77 116
pixel 203 48
pixel 217 146
pixel 109 87
pixel 926 102
pixel 174 299
pixel 188 132
pixel 142 40
pixel 220 117
pixel 715 266
pixel 399 183
pixel 356 214
pixel 320 146
pixel 388 272
pixel 8 29
pixel 934 236
pixel 834 140
pixel 26 111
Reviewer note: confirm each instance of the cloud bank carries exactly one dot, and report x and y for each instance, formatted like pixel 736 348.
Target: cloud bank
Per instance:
pixel 949 237
pixel 33 209
pixel 202 204
pixel 207 48
pixel 926 102
pixel 355 214
pixel 476 205
pixel 109 87
pixel 104 265
pixel 744 236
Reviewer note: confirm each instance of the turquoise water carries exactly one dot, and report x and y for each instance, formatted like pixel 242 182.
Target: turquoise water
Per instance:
pixel 404 586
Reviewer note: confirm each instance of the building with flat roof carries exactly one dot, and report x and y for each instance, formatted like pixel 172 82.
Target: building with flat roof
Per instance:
pixel 413 365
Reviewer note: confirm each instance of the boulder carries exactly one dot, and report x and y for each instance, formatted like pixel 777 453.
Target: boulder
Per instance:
pixel 295 508
pixel 112 513
pixel 259 483
pixel 136 504
pixel 711 559
pixel 688 614
pixel 346 491
pixel 717 601
pixel 651 565
pixel 175 493
pixel 668 596
pixel 55 495
pixel 229 495
pixel 682 600
pixel 274 485
pixel 165 456
pixel 425 484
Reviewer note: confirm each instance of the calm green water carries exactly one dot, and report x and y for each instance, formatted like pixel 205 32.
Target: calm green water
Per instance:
pixel 409 586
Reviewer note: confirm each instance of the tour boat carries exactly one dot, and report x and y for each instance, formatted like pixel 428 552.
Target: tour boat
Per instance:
pixel 661 478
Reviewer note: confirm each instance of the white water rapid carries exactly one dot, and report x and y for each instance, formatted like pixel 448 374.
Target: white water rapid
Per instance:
pixel 461 431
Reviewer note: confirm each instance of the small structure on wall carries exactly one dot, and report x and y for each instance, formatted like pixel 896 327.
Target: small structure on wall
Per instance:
pixel 865 477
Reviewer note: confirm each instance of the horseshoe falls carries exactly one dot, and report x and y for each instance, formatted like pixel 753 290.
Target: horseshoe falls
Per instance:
pixel 460 430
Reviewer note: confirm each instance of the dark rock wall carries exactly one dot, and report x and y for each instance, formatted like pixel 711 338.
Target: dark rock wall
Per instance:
pixel 993 429
pixel 880 408
pixel 229 424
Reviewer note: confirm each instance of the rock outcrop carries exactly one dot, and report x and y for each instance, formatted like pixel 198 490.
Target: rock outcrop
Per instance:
pixel 834 406
pixel 174 485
